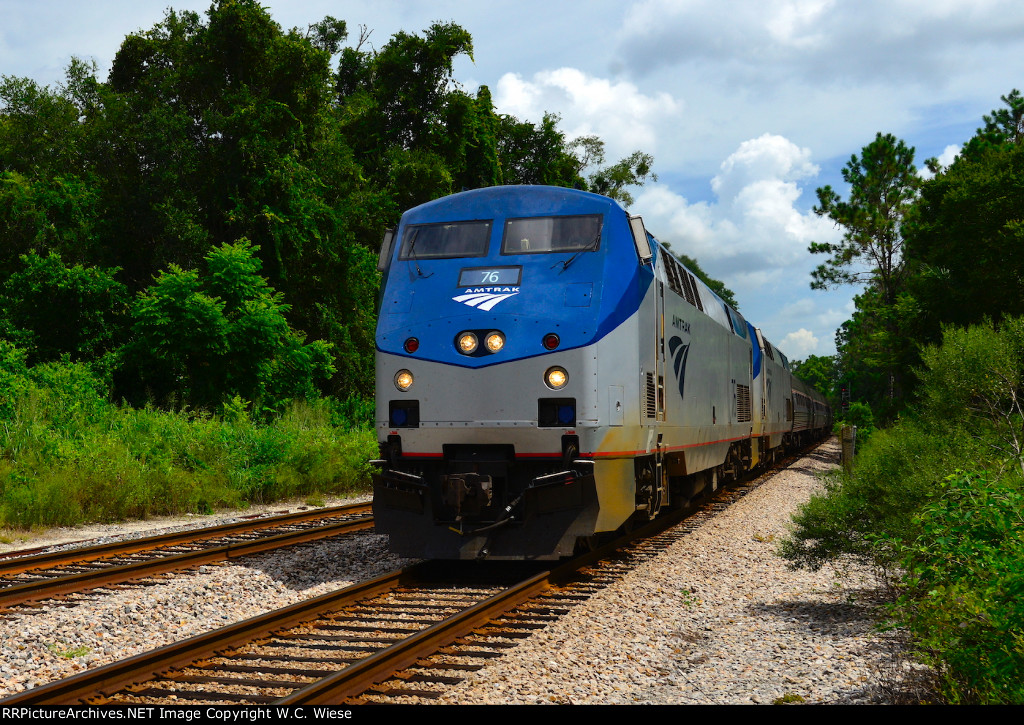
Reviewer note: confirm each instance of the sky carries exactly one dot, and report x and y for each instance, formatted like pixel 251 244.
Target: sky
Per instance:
pixel 747 106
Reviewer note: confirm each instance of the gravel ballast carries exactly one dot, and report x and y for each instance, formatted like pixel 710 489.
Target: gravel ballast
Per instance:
pixel 716 618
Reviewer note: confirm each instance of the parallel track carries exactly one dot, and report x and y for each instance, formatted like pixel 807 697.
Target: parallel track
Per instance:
pixel 43 576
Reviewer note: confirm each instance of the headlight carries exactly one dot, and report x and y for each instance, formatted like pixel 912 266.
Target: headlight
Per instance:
pixel 467 343
pixel 403 380
pixel 556 378
pixel 494 341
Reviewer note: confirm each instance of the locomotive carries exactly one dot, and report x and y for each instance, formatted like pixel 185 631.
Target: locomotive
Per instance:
pixel 546 372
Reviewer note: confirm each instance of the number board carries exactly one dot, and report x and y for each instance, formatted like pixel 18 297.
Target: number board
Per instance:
pixel 481 276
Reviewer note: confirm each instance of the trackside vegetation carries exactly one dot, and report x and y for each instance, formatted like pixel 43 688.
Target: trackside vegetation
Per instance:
pixel 70 456
pixel 935 500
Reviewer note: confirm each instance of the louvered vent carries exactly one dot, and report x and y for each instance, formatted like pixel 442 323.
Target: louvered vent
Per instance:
pixel 688 289
pixel 672 272
pixel 651 399
pixel 742 403
pixel 696 294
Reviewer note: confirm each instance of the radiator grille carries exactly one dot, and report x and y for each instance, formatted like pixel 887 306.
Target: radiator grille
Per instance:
pixel 742 403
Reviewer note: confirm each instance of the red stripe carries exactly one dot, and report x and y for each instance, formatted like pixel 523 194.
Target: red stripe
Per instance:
pixel 628 454
pixel 602 454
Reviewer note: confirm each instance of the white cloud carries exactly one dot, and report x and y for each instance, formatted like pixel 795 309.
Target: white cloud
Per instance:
pixel 614 110
pixel 800 344
pixel 949 154
pixel 821 41
pixel 754 232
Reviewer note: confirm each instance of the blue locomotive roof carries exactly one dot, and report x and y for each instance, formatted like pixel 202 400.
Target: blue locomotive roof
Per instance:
pixel 445 278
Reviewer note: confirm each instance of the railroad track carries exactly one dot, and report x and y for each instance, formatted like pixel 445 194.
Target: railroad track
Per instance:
pixel 402 637
pixel 40 576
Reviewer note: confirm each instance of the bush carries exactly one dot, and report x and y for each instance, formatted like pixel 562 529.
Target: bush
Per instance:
pixel 212 336
pixel 964 590
pixel 861 513
pixel 860 415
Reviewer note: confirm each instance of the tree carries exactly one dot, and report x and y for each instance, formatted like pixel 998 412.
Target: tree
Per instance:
pixel 213 336
pixel 1003 126
pixel 227 128
pixel 967 236
pixel 54 309
pixel 613 180
pixel 883 184
pixel 537 153
pixel 216 127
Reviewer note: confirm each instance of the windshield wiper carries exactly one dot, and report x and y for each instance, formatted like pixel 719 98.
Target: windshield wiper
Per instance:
pixel 589 248
pixel 414 258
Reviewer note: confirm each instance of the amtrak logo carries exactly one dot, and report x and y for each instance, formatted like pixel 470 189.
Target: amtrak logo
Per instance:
pixel 679 353
pixel 485 298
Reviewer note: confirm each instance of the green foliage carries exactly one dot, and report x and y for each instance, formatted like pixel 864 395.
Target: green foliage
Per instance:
pixel 53 309
pixel 963 596
pixel 630 171
pixel 222 126
pixel 539 154
pixel 967 239
pixel 975 380
pixel 948 307
pixel 860 514
pixel 1003 126
pixel 860 415
pixel 959 539
pixel 223 334
pixel 62 650
pixel 68 456
pixel 971 389
pixel 12 377
pixel 883 185
pixel 875 354
pixel 56 214
pixel 883 182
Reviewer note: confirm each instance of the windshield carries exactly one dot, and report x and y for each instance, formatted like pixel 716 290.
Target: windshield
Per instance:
pixel 541 235
pixel 453 239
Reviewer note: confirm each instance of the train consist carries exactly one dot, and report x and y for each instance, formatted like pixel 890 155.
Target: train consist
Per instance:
pixel 548 372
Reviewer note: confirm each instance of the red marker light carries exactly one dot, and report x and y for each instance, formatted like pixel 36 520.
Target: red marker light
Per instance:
pixel 551 341
pixel 412 345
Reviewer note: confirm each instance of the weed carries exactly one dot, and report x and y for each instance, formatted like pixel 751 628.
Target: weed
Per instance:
pixel 315 499
pixel 687 599
pixel 68 654
pixel 788 699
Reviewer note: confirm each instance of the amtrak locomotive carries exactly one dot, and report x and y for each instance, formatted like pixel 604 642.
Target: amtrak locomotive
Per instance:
pixel 547 372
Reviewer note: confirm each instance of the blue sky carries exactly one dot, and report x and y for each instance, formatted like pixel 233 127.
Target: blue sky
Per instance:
pixel 747 106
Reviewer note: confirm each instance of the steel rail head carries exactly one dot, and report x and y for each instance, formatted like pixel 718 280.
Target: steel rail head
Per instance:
pixel 16 564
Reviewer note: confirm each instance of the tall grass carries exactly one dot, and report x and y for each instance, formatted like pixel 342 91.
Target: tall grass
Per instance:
pixel 69 456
